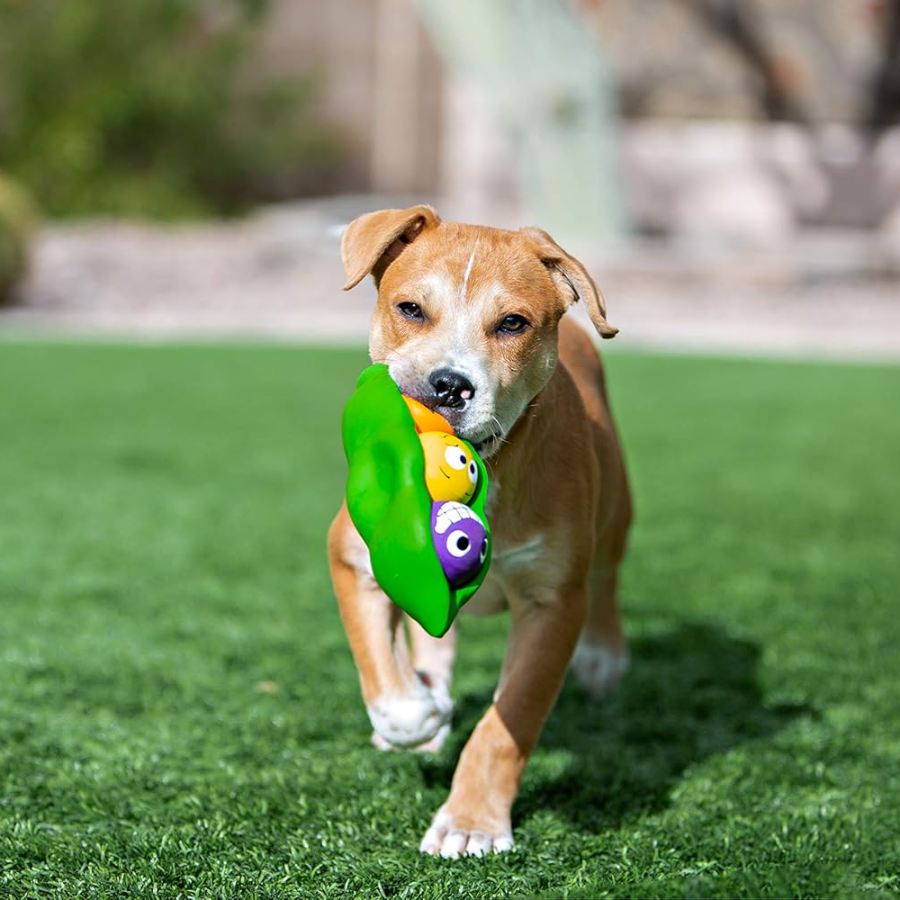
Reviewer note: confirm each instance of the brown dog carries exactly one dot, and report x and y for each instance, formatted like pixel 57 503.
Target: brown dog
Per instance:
pixel 468 321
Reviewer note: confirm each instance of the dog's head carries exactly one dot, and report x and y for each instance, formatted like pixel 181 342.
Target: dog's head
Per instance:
pixel 467 317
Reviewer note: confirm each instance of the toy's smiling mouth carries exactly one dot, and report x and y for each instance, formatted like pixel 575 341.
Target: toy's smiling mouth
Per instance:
pixel 450 513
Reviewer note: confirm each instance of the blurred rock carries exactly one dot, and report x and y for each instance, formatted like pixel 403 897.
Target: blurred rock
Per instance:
pixel 749 185
pixel 887 167
pixel 890 233
pixel 711 183
pixel 734 208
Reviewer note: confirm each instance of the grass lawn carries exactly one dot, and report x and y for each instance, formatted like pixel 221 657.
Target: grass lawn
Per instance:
pixel 180 716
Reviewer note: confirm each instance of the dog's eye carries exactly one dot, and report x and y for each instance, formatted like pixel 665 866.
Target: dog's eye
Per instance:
pixel 411 311
pixel 513 324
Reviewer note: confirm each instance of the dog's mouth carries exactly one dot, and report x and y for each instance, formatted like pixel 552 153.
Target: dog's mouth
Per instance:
pixel 483 445
pixel 488 444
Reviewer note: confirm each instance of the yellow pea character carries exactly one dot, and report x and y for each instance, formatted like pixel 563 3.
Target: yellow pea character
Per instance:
pixel 450 469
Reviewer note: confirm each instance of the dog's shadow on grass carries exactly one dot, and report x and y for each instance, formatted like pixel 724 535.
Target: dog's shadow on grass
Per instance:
pixel 692 692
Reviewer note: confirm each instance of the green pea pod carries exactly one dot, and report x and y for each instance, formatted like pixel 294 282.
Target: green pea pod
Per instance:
pixel 391 507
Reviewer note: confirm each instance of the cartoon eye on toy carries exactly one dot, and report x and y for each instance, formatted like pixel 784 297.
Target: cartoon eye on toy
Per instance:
pixel 456 458
pixel 458 543
pixel 449 463
pixel 460 540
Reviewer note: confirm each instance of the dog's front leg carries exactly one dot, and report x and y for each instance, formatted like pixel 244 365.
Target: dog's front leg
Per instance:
pixel 476 817
pixel 405 710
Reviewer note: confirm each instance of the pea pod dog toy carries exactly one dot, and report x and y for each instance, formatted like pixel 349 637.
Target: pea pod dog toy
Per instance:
pixel 390 505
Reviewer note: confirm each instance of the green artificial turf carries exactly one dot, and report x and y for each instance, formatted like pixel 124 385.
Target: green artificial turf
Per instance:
pixel 180 716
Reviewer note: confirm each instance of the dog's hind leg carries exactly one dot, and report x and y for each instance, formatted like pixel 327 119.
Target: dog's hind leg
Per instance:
pixel 601 657
pixel 404 709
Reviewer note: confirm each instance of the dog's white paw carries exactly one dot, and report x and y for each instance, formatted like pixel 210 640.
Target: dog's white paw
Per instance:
pixel 444 839
pixel 432 746
pixel 420 719
pixel 599 668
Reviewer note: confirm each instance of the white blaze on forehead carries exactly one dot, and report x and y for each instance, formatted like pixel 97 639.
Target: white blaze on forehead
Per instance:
pixel 450 513
pixel 465 282
pixel 459 342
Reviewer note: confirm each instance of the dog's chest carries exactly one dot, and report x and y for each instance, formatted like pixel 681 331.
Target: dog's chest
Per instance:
pixel 522 565
pixel 514 568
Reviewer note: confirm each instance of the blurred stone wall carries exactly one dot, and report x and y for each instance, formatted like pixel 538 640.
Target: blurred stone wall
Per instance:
pixel 413 127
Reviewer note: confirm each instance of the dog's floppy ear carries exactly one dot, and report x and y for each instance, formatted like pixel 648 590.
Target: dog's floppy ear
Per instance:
pixel 373 241
pixel 571 279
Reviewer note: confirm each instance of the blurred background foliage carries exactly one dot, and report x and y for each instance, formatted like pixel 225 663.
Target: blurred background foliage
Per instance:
pixel 17 223
pixel 152 108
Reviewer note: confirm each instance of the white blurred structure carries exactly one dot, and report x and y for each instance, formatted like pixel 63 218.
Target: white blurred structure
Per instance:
pixel 543 76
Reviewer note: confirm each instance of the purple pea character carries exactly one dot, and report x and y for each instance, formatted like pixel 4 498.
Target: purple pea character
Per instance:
pixel 460 539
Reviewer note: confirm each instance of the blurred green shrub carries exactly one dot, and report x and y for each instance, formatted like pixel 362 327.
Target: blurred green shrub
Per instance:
pixel 17 220
pixel 150 107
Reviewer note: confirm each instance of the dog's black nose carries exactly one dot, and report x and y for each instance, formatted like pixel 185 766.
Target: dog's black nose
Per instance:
pixel 451 388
